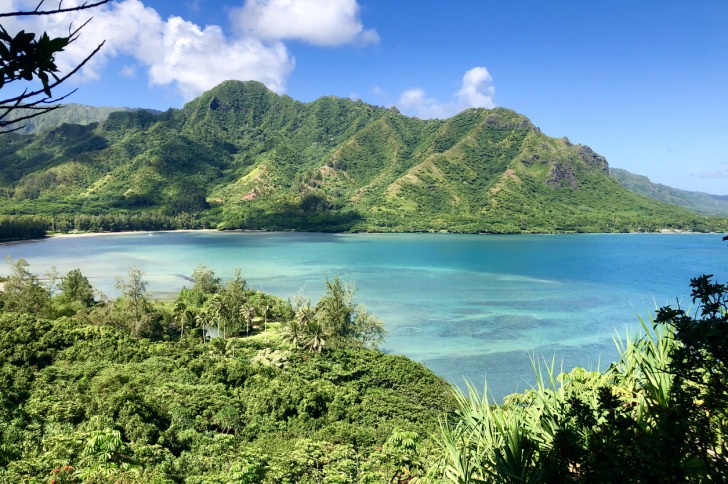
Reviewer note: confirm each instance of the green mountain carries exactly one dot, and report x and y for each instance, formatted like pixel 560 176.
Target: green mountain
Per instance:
pixel 695 201
pixel 68 113
pixel 243 157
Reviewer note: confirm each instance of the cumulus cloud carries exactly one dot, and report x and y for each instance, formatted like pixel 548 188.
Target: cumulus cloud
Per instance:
pixel 197 59
pixel 476 91
pixel 415 101
pixel 179 53
pixel 318 22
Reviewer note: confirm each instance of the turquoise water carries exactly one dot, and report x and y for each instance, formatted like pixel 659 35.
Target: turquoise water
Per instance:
pixel 467 306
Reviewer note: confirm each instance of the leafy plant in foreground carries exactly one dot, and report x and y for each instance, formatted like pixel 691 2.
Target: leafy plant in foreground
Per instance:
pixel 659 414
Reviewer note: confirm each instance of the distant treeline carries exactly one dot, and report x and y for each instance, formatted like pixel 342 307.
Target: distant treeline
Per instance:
pixel 21 228
pixel 37 226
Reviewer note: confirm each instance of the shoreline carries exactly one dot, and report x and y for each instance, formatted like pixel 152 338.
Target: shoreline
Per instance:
pixel 126 232
pixel 150 232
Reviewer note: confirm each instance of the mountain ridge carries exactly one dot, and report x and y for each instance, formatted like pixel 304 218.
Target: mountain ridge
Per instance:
pixel 696 201
pixel 70 113
pixel 248 158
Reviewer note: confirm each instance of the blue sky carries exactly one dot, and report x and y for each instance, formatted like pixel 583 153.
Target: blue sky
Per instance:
pixel 642 82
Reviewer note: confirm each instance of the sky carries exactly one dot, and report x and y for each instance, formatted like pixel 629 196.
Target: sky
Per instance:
pixel 642 82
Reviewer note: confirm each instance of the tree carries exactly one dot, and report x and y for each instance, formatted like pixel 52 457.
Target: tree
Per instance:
pixel 202 321
pixel 182 315
pixel 234 297
pixel 23 292
pixel 205 280
pixel 297 330
pixel 335 322
pixel 247 312
pixel 700 368
pixel 76 287
pixel 25 57
pixel 219 310
pixel 265 311
pixel 347 324
pixel 136 306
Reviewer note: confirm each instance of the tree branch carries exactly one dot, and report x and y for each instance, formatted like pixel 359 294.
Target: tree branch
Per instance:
pixel 59 81
pixel 26 13
pixel 17 100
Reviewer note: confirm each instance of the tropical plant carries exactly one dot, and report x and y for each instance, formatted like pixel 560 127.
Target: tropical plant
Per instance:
pixel 219 312
pixel 202 322
pixel 247 312
pixel 295 331
pixel 183 315
pixel 699 367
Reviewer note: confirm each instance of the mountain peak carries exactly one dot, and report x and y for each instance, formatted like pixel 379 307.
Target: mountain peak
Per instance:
pixel 260 160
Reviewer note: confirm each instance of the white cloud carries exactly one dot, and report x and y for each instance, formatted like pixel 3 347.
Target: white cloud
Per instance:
pixel 415 101
pixel 318 22
pixel 197 59
pixel 476 91
pixel 191 58
pixel 720 172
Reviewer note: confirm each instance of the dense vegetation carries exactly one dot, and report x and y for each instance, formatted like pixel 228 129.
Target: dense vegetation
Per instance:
pixel 70 113
pixel 129 390
pixel 135 390
pixel 659 414
pixel 240 156
pixel 695 201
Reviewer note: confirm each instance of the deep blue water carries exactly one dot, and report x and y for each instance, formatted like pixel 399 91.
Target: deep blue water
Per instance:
pixel 467 306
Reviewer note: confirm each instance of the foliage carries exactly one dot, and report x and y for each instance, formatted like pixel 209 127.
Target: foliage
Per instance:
pixel 700 368
pixel 25 57
pixel 118 390
pixel 95 395
pixel 20 228
pixel 334 323
pixel 695 201
pixel 657 415
pixel 75 287
pixel 22 291
pixel 241 157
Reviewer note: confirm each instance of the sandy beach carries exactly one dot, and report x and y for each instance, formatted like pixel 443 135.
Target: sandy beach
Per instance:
pixel 128 232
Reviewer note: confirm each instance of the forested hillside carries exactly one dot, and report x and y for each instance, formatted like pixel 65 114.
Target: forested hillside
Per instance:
pixel 695 201
pixel 129 389
pixel 240 156
pixel 69 114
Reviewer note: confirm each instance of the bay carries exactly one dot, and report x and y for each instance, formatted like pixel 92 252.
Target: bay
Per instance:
pixel 467 306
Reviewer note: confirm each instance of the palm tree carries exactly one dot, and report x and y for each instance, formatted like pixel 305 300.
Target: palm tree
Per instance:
pixel 247 311
pixel 296 330
pixel 292 333
pixel 219 310
pixel 266 309
pixel 182 314
pixel 202 319
pixel 316 336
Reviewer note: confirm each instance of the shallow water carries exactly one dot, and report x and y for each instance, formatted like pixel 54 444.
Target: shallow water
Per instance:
pixel 467 306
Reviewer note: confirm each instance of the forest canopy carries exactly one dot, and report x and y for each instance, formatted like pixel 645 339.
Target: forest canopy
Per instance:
pixel 227 384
